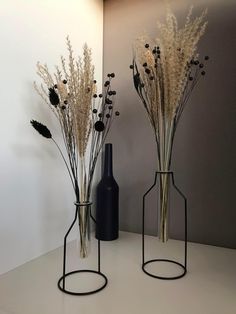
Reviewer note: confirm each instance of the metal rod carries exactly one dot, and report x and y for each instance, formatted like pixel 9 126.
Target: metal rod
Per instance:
pixel 184 267
pixel 98 272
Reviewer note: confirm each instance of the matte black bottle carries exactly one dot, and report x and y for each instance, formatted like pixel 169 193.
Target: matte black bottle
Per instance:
pixel 107 210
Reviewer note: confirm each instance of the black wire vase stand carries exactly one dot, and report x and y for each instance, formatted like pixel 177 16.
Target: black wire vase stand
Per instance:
pixel 62 281
pixel 182 266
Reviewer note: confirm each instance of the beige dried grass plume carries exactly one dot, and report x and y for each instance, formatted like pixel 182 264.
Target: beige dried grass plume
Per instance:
pixel 165 71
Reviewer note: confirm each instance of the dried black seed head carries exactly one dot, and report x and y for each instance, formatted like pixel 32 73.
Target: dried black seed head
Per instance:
pixel 65 102
pixel 110 107
pixel 99 126
pixel 146 45
pixel 203 73
pixel 41 128
pixel 117 113
pixel 53 97
pixel 94 81
pixel 107 83
pixel 108 101
pixel 108 75
pixel 55 86
pixel 201 65
pixel 95 111
pixel 131 66
pixel 154 51
pixel 112 75
pixel 190 78
pixel 151 78
pixel 206 57
pixel 196 62
pixel 192 61
pixel 95 95
pixel 100 95
pixel 63 107
pixel 100 115
pixel 147 71
pixel 145 64
pixel 88 89
pixel 110 93
pixel 108 115
pixel 64 81
pixel 114 92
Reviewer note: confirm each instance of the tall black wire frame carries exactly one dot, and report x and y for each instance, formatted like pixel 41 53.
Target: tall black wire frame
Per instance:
pixel 183 266
pixel 62 281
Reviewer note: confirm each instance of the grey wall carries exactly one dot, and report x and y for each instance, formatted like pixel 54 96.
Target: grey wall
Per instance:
pixel 204 149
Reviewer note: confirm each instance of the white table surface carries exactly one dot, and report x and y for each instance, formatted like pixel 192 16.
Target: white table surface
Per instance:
pixel 208 288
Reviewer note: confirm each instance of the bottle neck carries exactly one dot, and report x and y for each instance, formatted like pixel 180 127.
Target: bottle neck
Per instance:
pixel 108 169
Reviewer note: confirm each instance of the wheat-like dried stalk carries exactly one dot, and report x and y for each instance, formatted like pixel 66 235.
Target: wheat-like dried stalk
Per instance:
pixel 85 119
pixel 165 71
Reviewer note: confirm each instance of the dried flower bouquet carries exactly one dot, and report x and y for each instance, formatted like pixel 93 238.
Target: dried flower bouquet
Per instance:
pixel 85 118
pixel 165 71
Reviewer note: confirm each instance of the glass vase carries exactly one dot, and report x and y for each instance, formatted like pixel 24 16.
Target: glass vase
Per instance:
pixel 83 211
pixel 164 194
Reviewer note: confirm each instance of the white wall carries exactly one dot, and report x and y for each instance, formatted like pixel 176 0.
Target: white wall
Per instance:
pixel 36 199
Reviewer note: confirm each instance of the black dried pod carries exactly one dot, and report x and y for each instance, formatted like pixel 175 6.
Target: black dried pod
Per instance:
pixel 53 97
pixel 108 101
pixel 100 115
pixel 95 111
pixel 88 89
pixel 117 113
pixel 108 75
pixel 41 128
pixel 110 93
pixel 94 81
pixel 201 65
pixel 206 58
pixel 154 51
pixel 64 81
pixel 55 86
pixel 147 71
pixel 114 92
pixel 107 83
pixel 145 64
pixel 100 95
pixel 131 66
pixel 63 107
pixel 192 62
pixel 203 73
pixel 190 78
pixel 95 95
pixel 65 102
pixel 110 107
pixel 196 62
pixel 108 115
pixel 146 45
pixel 99 126
pixel 112 75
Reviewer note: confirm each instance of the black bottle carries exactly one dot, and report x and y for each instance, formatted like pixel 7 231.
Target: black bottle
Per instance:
pixel 107 205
